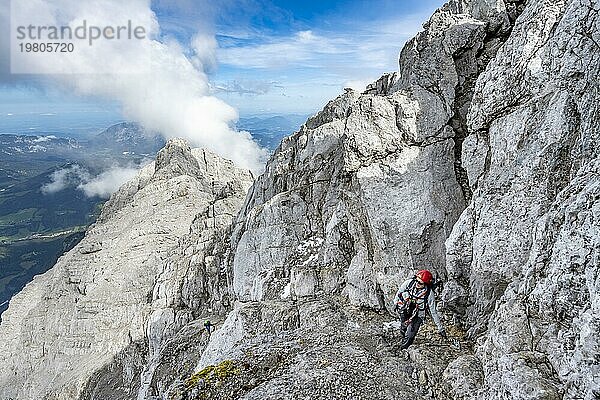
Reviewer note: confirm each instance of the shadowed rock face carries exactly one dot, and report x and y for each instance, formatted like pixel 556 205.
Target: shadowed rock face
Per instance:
pixel 477 160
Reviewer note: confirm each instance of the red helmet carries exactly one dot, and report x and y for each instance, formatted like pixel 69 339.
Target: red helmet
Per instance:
pixel 425 276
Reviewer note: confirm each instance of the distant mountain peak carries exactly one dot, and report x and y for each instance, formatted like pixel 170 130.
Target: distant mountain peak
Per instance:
pixel 129 137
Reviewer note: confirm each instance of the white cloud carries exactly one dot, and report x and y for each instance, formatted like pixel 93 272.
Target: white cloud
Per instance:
pixel 63 178
pixel 5 75
pixel 102 185
pixel 306 37
pixel 246 87
pixel 303 47
pixel 205 51
pixel 42 139
pixel 170 95
pixel 374 47
pixel 107 182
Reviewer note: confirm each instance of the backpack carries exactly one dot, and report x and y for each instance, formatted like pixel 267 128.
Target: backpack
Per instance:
pixel 433 286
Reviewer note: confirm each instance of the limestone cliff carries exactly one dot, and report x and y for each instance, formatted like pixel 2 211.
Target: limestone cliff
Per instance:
pixel 95 302
pixel 524 256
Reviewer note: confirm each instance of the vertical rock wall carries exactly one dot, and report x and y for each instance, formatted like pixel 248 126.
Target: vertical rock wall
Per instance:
pixel 367 191
pixel 524 256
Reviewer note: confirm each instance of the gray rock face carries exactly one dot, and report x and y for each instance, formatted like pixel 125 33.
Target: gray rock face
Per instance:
pixel 96 301
pixel 369 188
pixel 345 208
pixel 382 85
pixel 524 256
pixel 325 352
pixel 192 287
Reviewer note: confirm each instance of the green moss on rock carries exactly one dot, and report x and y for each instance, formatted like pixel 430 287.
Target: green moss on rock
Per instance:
pixel 214 374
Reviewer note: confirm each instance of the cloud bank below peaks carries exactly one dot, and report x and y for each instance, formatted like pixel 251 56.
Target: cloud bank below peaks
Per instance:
pixel 102 185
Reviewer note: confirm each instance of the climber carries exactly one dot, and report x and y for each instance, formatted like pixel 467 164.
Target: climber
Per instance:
pixel 209 327
pixel 412 301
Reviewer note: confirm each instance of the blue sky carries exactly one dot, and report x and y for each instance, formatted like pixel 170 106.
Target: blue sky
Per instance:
pixel 293 56
pixel 272 56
